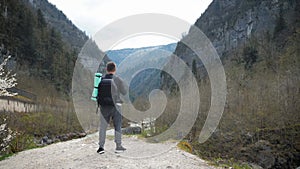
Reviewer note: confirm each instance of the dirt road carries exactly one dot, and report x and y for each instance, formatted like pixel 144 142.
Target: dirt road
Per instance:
pixel 81 153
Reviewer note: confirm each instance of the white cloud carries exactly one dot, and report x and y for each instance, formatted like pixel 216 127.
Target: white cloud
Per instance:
pixel 92 15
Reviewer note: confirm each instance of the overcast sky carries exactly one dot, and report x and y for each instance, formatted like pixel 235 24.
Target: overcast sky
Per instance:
pixel 92 15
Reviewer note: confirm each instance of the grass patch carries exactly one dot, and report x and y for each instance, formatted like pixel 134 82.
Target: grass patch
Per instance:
pixel 3 157
pixel 109 137
pixel 231 163
pixel 185 146
pixel 139 136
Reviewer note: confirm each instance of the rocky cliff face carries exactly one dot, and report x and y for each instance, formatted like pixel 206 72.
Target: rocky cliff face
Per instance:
pixel 258 43
pixel 229 23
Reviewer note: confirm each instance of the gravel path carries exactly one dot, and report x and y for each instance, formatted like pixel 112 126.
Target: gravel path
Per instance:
pixel 81 153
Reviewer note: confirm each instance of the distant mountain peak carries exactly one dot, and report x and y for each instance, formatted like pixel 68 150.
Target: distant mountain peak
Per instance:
pixel 120 54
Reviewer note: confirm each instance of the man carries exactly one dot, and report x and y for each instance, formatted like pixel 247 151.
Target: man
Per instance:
pixel 109 100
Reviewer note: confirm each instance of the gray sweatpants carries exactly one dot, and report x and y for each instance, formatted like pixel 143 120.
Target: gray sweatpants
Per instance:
pixel 108 112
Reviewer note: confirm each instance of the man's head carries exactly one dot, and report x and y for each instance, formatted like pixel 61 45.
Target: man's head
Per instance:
pixel 111 67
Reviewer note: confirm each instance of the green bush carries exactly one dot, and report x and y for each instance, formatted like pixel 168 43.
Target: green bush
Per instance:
pixel 22 142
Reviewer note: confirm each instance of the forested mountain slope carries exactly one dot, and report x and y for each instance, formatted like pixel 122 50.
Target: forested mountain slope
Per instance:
pixel 44 46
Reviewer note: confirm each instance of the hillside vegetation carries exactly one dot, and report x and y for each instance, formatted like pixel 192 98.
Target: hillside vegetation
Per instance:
pixel 43 61
pixel 258 42
pixel 37 48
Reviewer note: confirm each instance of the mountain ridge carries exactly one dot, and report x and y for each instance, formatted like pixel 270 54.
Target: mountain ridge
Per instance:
pixel 120 54
pixel 56 18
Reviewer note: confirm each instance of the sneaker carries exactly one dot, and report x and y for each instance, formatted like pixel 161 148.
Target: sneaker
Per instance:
pixel 120 149
pixel 100 150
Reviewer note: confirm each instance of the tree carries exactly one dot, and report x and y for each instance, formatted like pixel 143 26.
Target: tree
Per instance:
pixel 41 22
pixel 250 55
pixel 6 135
pixel 194 69
pixel 7 79
pixel 280 22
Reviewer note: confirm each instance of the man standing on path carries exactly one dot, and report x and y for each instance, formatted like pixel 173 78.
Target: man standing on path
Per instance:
pixel 108 99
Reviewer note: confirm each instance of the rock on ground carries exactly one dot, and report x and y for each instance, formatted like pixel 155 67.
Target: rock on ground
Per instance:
pixel 81 153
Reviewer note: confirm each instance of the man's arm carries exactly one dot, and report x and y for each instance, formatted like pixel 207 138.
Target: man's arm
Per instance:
pixel 121 86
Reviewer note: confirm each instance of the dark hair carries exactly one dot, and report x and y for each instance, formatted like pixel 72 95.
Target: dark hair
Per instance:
pixel 111 67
